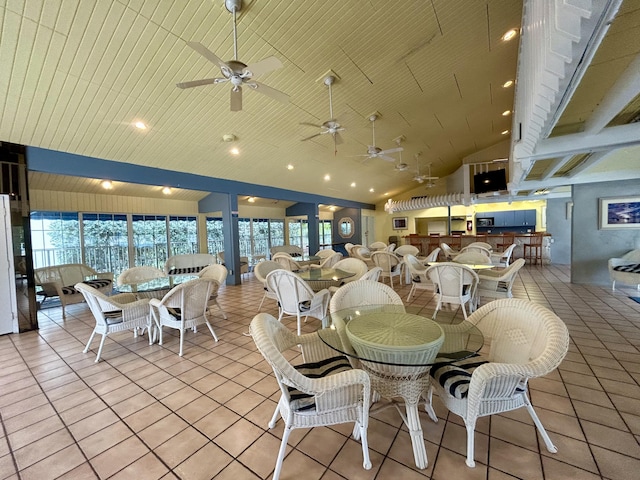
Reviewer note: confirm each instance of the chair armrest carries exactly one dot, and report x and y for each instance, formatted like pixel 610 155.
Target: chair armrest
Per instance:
pixel 321 299
pixel 123 298
pixel 314 349
pixel 51 289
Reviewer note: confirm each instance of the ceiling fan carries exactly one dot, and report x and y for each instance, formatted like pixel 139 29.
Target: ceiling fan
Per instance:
pixel 331 127
pixel 236 72
pixel 400 166
pixel 421 178
pixel 376 152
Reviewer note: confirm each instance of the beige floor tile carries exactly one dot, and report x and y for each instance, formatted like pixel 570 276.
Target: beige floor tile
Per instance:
pixel 92 424
pixel 40 449
pixel 260 457
pixel 55 465
pixel 118 457
pixel 162 430
pixel 616 466
pixel 205 463
pixel 84 471
pixel 146 416
pixel 181 446
pixel 216 422
pixel 198 408
pixel 237 437
pixel 449 465
pixel 104 439
pixel 514 460
pixel 612 439
pixel 555 470
pixel 572 452
pixel 348 462
pixel 235 471
pixel 34 432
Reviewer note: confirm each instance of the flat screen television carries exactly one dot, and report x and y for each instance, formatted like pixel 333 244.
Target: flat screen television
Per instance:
pixel 492 181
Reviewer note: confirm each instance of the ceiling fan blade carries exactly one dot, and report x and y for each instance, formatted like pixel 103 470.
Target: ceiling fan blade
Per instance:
pixel 338 138
pixel 386 157
pixel 269 91
pixel 206 53
pixel 310 124
pixel 236 99
pixel 312 136
pixel 263 66
pixel 391 150
pixel 198 83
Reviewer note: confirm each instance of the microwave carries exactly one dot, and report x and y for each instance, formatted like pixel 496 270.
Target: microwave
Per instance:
pixel 484 222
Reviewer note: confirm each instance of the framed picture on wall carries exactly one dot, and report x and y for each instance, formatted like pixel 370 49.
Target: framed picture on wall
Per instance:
pixel 621 212
pixel 400 223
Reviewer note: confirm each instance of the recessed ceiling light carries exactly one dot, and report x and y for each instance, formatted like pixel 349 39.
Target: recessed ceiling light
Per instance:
pixel 327 177
pixel 332 208
pixel 166 191
pixel 371 190
pixel 251 199
pixel 234 151
pixel 386 194
pixel 289 167
pixel 107 185
pixel 507 84
pixel 506 113
pixel 353 184
pixel 509 35
pixel 504 132
pixel 140 125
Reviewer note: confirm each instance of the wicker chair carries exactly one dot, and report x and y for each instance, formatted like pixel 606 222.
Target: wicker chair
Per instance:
pixel 362 253
pixel 499 284
pixel 417 273
pixel 502 259
pixel 454 284
pixel 261 270
pixel 377 246
pixel 352 265
pixel 448 252
pixel 390 265
pixel 184 307
pixel 477 248
pixel 310 398
pixel 390 248
pixel 373 274
pixel 432 257
pixel 471 257
pixel 363 292
pixel 403 250
pixel 116 313
pixel 526 341
pixel 218 275
pixel 296 297
pixel 329 262
pixel 288 263
pixel 485 245
pixel 324 253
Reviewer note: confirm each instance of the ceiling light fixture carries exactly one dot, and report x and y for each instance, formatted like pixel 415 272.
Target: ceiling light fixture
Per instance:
pixel 140 125
pixel 507 84
pixel 506 113
pixel 234 151
pixel 504 132
pixel 332 208
pixel 371 190
pixel 327 177
pixel 166 191
pixel 289 167
pixel 251 199
pixel 353 184
pixel 509 35
pixel 107 185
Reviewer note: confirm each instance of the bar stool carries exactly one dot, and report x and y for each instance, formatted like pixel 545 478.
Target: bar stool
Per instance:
pixel 507 240
pixel 456 242
pixel 533 249
pixel 434 241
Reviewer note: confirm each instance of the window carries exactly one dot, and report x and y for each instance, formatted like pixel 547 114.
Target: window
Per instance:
pixel 183 235
pixel 105 242
pixel 55 238
pixel 299 233
pixel 149 240
pixel 260 237
pixel 325 234
pixel 215 235
pixel 276 233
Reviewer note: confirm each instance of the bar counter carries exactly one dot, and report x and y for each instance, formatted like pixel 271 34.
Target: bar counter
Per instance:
pixel 426 243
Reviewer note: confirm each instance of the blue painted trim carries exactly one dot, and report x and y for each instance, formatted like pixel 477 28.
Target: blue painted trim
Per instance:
pixel 62 163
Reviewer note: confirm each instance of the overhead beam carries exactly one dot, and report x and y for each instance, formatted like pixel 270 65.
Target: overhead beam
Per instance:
pixel 558 164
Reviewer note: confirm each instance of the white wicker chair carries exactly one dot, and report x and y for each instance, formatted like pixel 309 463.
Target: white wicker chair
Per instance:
pixel 308 401
pixel 403 250
pixel 502 259
pixel 296 297
pixel 448 252
pixel 390 265
pixel 261 270
pixel 483 245
pixel 329 262
pixel 471 257
pixel 525 341
pixel 499 284
pixel 352 265
pixel 218 275
pixel 417 273
pixel 185 306
pixel 288 263
pixel 363 292
pixel 624 269
pixel 324 253
pixel 377 246
pixel 390 248
pixel 454 284
pixel 373 274
pixel 244 262
pixel 362 253
pixel 116 313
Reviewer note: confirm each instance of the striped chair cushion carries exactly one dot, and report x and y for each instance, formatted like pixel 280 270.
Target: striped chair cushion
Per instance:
pixel 97 284
pixel 455 378
pixel 184 270
pixel 631 268
pixel 304 401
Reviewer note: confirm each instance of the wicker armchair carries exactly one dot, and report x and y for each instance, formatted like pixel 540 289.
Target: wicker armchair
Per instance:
pixel 363 292
pixel 261 270
pixel 362 253
pixel 287 262
pixel 218 275
pixel 502 259
pixel 483 245
pixel 526 341
pixel 329 262
pixel 454 284
pixel 324 253
pixel 417 274
pixel 183 307
pixel 352 265
pixel 296 297
pixel 390 265
pixel 377 246
pixel 309 397
pixel 471 257
pixel 625 269
pixel 499 284
pixel 448 252
pixel 403 250
pixel 116 313
pixel 373 274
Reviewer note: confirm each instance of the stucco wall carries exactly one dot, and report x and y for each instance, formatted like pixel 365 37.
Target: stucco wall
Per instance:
pixel 559 226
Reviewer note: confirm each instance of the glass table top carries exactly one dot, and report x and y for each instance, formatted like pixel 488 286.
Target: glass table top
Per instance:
pixel 325 274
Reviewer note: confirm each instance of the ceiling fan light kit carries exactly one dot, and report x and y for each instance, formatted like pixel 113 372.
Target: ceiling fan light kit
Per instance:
pixel 237 73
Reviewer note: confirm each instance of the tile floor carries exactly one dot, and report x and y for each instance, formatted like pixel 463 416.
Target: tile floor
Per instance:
pixel 145 413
